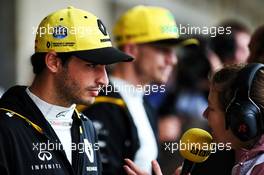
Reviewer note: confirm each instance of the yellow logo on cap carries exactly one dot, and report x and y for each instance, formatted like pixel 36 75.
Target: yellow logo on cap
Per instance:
pixel 69 30
pixel 143 24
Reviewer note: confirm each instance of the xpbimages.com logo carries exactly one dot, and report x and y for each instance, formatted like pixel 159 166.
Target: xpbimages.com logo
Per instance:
pixel 132 89
pixel 204 148
pixel 51 146
pixel 45 149
pixel 60 32
pixel 211 31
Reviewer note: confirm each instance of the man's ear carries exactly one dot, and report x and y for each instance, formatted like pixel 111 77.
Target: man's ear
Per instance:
pixel 131 50
pixel 52 62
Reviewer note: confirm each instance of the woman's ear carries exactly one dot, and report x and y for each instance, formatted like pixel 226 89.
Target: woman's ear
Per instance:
pixel 52 62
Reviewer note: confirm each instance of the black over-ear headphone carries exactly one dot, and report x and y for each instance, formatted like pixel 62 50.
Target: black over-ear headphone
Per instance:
pixel 243 115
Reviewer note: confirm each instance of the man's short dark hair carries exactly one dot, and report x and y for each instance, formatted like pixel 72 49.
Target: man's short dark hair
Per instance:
pixel 256 46
pixel 225 45
pixel 38 61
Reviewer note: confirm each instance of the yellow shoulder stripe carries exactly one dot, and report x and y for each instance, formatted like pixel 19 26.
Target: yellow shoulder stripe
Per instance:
pixel 81 108
pixel 103 99
pixel 39 129
pixel 77 112
pixel 113 100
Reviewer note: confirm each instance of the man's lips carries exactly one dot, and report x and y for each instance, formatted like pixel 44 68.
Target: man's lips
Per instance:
pixel 94 92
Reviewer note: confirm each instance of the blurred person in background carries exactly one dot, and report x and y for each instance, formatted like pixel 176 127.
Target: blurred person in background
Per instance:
pixel 188 98
pixel 232 48
pixel 183 108
pixel 256 46
pixel 215 62
pixel 125 121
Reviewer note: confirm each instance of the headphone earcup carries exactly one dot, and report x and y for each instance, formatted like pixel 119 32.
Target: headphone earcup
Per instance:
pixel 242 118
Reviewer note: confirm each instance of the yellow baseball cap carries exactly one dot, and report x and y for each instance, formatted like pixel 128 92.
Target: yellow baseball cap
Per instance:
pixel 143 24
pixel 80 33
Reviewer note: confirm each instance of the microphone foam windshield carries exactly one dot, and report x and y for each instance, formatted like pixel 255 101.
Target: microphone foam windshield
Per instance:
pixel 195 145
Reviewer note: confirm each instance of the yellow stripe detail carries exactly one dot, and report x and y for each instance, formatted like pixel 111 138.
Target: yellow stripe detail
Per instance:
pixel 103 99
pixel 81 131
pixel 77 112
pixel 81 108
pixel 39 129
pixel 113 100
pixel 191 41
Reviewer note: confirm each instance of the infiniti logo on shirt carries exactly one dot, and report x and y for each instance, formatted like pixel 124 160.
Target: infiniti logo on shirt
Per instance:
pixel 44 155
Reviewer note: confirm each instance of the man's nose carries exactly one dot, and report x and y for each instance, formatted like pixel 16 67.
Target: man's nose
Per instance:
pixel 102 78
pixel 171 59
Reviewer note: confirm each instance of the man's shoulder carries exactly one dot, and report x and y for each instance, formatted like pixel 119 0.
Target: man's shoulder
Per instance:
pixel 15 121
pixel 10 123
pixel 86 120
pixel 104 102
pixel 6 117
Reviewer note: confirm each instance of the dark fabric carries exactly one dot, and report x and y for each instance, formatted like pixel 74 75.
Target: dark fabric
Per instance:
pixel 167 106
pixel 105 56
pixel 117 131
pixel 20 152
pixel 219 163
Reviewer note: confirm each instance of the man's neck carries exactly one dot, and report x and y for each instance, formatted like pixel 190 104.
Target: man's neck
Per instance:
pixel 43 88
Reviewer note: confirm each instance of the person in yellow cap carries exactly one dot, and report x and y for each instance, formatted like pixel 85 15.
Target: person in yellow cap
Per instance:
pixel 41 132
pixel 126 123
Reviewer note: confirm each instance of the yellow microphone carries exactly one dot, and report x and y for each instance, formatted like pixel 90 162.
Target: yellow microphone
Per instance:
pixel 195 148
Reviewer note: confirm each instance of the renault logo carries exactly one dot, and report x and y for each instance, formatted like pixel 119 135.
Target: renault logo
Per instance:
pixel 89 150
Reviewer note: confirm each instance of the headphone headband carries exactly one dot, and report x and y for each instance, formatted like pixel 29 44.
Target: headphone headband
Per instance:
pixel 245 80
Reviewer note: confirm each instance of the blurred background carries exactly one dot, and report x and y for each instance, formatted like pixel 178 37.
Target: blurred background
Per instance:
pixel 20 17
